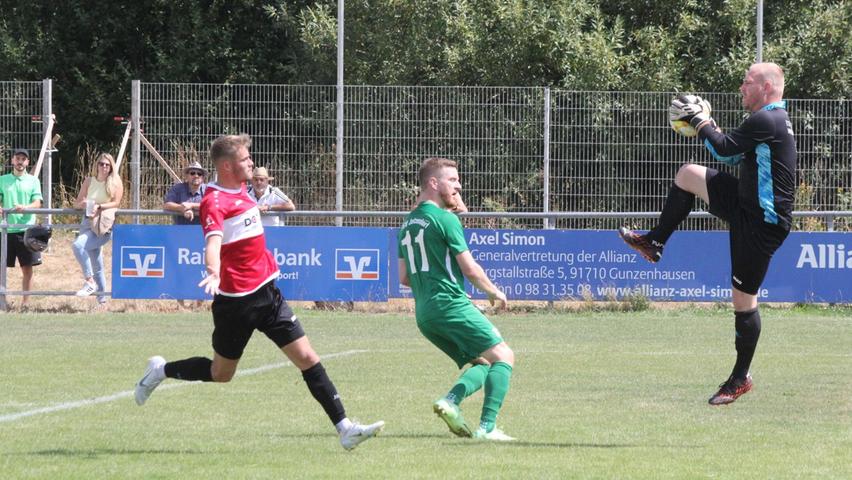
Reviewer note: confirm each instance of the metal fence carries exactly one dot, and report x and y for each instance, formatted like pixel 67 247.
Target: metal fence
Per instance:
pixel 22 108
pixel 20 102
pixel 519 149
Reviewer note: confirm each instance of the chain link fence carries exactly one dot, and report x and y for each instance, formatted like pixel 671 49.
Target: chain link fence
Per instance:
pixel 519 149
pixel 21 109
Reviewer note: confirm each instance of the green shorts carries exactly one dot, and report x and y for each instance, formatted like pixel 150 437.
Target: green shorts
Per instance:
pixel 462 332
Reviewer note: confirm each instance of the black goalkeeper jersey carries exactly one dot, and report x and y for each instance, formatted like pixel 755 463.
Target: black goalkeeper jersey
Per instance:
pixel 765 149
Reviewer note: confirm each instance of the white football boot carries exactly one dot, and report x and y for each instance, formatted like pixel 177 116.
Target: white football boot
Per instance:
pixel 150 380
pixel 357 433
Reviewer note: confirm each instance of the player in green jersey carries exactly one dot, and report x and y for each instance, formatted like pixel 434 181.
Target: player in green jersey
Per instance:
pixel 434 260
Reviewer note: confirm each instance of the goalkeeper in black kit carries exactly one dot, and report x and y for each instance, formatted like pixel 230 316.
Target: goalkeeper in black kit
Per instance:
pixel 757 207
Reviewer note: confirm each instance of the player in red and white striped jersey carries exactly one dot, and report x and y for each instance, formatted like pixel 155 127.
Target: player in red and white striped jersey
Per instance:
pixel 241 275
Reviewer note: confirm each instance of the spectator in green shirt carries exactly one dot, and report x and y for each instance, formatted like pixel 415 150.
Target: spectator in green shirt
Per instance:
pixel 19 191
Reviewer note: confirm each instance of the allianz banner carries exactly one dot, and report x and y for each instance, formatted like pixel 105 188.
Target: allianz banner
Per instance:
pixel 597 265
pixel 316 263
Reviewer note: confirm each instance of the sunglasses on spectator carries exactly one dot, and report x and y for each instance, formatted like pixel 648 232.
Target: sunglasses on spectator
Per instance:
pixel 104 164
pixel 196 173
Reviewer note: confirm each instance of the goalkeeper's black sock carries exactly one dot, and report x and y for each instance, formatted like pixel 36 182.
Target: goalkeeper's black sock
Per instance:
pixel 677 207
pixel 324 392
pixel 747 326
pixel 191 369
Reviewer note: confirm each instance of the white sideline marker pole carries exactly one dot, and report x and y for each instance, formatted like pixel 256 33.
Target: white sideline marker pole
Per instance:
pixel 109 398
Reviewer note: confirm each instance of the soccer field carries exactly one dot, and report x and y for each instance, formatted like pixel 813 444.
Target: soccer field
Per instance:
pixel 594 395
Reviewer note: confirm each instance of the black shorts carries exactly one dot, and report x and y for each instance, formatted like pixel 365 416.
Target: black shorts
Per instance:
pixel 752 241
pixel 18 250
pixel 236 318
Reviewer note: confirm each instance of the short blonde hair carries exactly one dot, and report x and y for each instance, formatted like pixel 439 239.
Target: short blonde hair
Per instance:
pixel 226 146
pixel 431 166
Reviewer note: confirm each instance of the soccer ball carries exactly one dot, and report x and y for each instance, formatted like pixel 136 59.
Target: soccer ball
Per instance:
pixel 682 127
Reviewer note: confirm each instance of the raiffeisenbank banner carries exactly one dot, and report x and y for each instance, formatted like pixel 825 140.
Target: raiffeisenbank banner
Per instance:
pixel 315 263
pixel 360 264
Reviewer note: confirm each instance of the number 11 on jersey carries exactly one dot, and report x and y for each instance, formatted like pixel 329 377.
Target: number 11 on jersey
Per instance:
pixel 418 239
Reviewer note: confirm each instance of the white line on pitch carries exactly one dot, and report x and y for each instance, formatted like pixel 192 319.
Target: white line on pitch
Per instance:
pixel 109 398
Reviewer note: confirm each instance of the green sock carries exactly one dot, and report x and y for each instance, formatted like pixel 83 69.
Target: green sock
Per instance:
pixel 468 383
pixel 496 386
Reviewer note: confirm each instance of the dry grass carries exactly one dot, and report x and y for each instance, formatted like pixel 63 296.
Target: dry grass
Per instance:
pixel 59 271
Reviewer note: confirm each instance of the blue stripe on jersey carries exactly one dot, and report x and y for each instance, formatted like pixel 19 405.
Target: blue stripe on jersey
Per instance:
pixel 772 106
pixel 765 194
pixel 732 160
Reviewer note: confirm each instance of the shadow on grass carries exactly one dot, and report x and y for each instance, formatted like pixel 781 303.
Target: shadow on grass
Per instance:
pixel 469 442
pixel 97 452
pixel 379 436
pixel 475 443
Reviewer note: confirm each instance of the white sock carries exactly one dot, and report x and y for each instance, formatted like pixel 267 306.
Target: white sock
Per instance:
pixel 344 425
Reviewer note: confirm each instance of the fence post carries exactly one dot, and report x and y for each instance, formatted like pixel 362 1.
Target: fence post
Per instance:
pixel 338 194
pixel 3 255
pixel 47 165
pixel 758 54
pixel 546 166
pixel 135 151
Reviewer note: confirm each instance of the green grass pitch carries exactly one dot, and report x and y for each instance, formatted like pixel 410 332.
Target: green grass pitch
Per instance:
pixel 594 395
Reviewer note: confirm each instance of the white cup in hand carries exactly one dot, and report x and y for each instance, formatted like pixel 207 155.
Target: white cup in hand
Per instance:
pixel 90 207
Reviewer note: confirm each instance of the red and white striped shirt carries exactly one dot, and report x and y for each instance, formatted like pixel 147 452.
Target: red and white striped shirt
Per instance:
pixel 245 263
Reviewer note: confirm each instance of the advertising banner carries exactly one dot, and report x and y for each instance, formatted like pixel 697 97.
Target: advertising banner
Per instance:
pixel 360 264
pixel 316 263
pixel 597 265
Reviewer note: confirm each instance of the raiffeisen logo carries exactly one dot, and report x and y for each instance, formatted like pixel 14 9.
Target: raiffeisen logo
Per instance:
pixel 824 255
pixel 356 264
pixel 143 262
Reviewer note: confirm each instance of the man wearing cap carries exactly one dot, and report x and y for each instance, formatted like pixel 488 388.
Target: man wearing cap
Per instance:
pixel 268 198
pixel 184 198
pixel 19 191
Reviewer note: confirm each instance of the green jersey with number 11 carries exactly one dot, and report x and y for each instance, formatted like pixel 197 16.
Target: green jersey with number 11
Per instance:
pixel 429 240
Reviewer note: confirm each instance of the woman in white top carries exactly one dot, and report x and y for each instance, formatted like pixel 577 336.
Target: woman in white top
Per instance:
pixel 100 191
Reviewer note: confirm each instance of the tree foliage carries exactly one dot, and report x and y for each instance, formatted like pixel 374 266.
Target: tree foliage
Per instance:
pixel 94 49
pixel 584 44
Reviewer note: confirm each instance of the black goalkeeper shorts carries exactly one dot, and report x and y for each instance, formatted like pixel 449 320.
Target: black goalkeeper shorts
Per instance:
pixel 752 241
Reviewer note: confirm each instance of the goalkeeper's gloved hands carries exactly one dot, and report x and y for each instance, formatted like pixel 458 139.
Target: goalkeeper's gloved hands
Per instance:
pixel 676 111
pixel 700 112
pixel 691 108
